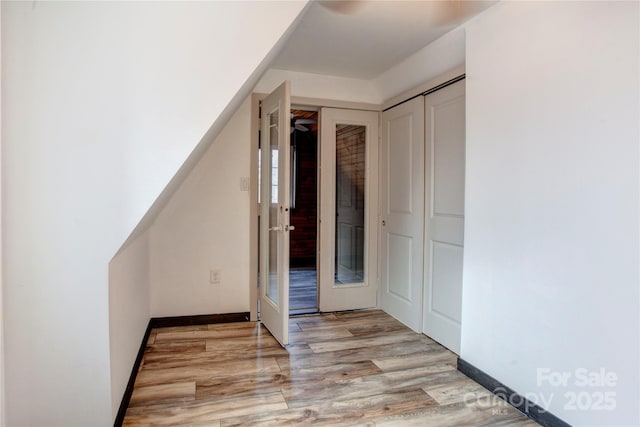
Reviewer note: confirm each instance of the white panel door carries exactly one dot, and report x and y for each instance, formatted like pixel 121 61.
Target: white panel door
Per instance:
pixel 275 190
pixel 445 158
pixel 348 209
pixel 402 217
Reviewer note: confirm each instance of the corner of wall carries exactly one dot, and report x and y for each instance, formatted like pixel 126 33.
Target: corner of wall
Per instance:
pixel 129 312
pixel 433 60
pixel 205 226
pixel 2 407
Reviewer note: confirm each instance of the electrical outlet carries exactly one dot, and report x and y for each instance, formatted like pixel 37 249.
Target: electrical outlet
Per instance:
pixel 244 183
pixel 214 277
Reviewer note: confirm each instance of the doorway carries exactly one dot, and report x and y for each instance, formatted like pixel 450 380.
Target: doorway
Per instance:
pixel 333 245
pixel 325 268
pixel 303 271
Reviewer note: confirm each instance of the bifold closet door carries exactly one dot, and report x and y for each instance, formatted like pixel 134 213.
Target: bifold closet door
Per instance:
pixel 444 221
pixel 402 212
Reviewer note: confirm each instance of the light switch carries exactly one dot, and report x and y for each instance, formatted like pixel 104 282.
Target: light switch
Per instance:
pixel 214 276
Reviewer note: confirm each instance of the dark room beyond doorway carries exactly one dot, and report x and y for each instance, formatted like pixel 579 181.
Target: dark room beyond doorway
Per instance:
pixel 303 290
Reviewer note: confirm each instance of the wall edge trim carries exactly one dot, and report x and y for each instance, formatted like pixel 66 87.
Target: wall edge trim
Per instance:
pixel 128 392
pixel 200 319
pixel 162 322
pixel 519 402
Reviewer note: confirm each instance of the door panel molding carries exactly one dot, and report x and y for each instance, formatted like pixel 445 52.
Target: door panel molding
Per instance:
pixel 402 205
pixel 444 223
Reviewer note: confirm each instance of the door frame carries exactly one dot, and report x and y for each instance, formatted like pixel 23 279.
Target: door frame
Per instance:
pixel 254 213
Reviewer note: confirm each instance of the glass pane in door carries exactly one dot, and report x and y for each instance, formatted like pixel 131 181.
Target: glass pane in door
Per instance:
pixel 350 203
pixel 272 285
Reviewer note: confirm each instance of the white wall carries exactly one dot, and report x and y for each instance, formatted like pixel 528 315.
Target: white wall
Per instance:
pixel 205 226
pixel 552 200
pixel 430 62
pixel 129 312
pixel 102 102
pixel 2 411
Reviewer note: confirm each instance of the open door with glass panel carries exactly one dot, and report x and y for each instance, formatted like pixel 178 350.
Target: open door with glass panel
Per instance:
pixel 348 209
pixel 274 213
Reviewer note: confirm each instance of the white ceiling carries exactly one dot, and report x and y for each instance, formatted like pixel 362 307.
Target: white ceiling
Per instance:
pixel 362 39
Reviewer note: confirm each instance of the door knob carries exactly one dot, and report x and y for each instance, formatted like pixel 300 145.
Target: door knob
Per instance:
pixel 384 223
pixel 289 228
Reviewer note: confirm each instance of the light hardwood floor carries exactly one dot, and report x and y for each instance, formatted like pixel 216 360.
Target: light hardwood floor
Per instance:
pixel 302 290
pixel 355 368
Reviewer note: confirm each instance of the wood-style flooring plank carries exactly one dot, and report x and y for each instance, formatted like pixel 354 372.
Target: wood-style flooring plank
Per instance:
pixel 319 336
pixel 283 381
pixel 152 338
pixel 303 289
pixel 204 372
pixel 353 368
pixel 376 328
pixel 203 411
pixel 163 393
pixel 176 360
pixel 416 360
pixel 459 415
pixel 187 328
pixel 304 393
pixel 182 346
pixel 456 392
pixel 241 343
pixel 297 361
pixel 339 412
pixel 347 344
pixel 328 321
pixel 245 329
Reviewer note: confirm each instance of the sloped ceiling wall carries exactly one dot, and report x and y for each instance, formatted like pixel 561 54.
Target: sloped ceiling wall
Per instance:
pixel 102 103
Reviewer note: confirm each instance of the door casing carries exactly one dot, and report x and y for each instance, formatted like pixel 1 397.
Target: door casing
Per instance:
pixel 256 98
